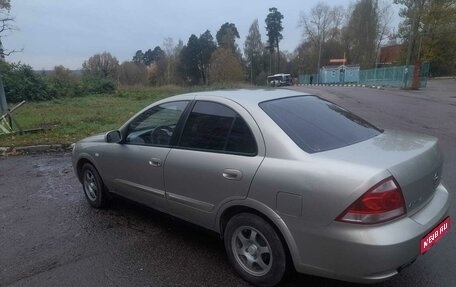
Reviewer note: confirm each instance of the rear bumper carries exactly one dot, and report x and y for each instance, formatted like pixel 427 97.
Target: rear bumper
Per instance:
pixel 366 253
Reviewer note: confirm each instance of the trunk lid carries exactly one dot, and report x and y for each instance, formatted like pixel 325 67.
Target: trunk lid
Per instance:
pixel 414 160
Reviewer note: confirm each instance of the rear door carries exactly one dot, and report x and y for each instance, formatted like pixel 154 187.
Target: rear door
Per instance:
pixel 217 156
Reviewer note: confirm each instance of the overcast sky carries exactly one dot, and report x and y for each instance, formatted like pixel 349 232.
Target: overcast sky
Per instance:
pixel 67 32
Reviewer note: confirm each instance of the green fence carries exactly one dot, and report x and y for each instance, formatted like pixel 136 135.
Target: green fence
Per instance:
pixel 389 76
pixel 392 76
pixel 308 79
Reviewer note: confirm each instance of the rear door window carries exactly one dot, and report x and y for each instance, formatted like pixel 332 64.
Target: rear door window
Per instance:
pixel 317 125
pixel 215 127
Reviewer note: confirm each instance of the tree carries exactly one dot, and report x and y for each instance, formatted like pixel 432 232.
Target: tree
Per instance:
pixel 385 17
pixel 437 37
pixel 226 36
pixel 102 65
pixel 22 83
pixel 207 47
pixel 367 27
pixel 6 25
pixel 172 61
pixel 189 58
pixel 363 31
pixel 168 44
pixel 61 82
pixel 274 29
pixel 160 66
pixel 5 4
pixel 195 58
pixel 148 57
pixel 253 49
pixel 153 56
pixel 321 25
pixel 408 29
pixel 5 18
pixel 176 63
pixel 138 57
pixel 428 30
pixel 131 73
pixel 225 67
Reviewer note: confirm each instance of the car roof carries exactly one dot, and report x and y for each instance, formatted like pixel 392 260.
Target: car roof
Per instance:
pixel 248 96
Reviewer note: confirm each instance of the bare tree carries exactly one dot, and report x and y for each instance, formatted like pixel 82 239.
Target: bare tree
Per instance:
pixel 367 28
pixel 168 44
pixel 385 17
pixel 131 73
pixel 6 25
pixel 321 24
pixel 102 65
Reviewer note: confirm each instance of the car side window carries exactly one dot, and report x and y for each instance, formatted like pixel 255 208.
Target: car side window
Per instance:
pixel 215 127
pixel 241 139
pixel 156 125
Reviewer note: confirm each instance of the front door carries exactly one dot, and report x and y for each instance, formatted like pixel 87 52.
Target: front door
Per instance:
pixel 137 163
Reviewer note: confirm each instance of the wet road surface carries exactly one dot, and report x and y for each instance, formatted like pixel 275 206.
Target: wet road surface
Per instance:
pixel 49 235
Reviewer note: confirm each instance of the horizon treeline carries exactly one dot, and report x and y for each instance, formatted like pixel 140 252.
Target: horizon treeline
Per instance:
pixel 427 32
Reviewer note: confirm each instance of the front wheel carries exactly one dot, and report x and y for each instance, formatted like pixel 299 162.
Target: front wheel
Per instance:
pixel 255 250
pixel 94 189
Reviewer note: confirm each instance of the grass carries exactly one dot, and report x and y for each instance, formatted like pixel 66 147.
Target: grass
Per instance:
pixel 70 119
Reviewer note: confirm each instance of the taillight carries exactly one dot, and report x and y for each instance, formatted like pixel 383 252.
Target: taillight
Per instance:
pixel 383 202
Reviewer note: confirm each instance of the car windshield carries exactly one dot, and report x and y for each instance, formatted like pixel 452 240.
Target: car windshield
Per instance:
pixel 317 125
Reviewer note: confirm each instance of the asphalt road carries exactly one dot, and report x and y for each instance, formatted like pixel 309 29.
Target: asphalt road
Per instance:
pixel 49 236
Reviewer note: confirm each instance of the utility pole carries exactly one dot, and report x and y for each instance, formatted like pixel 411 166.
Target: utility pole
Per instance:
pixel 319 59
pixel 251 68
pixel 3 103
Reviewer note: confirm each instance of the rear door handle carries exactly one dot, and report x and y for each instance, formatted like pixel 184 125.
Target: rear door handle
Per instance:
pixel 232 174
pixel 155 162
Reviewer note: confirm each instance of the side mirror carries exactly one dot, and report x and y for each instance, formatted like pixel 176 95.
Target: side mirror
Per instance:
pixel 113 137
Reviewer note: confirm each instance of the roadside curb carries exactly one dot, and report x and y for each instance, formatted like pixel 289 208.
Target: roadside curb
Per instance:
pixel 19 150
pixel 342 85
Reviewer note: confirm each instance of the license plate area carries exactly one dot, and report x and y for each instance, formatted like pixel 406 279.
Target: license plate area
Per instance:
pixel 435 235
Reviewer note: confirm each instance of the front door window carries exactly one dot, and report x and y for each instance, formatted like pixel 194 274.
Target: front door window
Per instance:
pixel 156 126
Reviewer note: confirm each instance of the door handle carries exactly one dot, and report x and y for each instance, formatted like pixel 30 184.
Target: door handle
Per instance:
pixel 155 162
pixel 232 174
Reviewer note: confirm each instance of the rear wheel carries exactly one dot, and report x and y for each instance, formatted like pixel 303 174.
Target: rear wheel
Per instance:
pixel 94 189
pixel 255 250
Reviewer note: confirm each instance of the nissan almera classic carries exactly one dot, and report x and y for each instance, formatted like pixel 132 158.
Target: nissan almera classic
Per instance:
pixel 290 181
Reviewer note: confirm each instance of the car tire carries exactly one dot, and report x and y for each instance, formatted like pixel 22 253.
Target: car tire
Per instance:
pixel 255 250
pixel 93 186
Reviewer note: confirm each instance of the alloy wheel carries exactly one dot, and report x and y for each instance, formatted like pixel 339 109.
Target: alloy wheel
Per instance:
pixel 251 250
pixel 90 185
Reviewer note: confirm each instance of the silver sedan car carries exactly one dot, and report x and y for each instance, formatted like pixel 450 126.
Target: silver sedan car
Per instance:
pixel 289 180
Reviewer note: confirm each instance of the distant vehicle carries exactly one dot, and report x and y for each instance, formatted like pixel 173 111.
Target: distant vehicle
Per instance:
pixel 279 80
pixel 289 180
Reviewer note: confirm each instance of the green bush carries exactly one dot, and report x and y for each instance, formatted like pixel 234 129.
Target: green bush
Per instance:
pixel 62 83
pixel 98 85
pixel 22 83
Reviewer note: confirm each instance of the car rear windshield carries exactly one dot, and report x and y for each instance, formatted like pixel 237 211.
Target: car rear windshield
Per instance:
pixel 317 125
